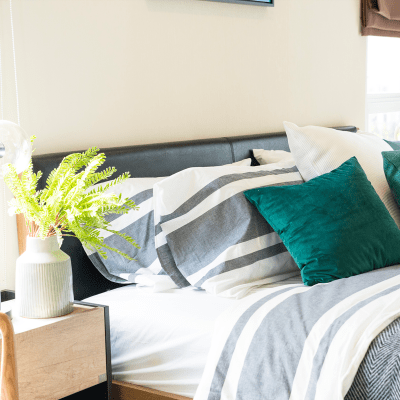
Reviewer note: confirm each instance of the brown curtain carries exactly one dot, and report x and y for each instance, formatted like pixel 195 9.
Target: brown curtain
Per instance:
pixel 380 18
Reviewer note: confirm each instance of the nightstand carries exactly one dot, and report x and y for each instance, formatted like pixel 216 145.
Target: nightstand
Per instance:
pixel 66 357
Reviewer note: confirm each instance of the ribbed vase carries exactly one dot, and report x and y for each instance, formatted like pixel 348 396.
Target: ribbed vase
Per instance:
pixel 43 281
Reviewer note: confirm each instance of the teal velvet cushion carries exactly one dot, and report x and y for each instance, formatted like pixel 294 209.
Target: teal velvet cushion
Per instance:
pixel 391 166
pixel 393 145
pixel 335 225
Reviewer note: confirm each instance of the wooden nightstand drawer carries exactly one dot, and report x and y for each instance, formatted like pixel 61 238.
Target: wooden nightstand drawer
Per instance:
pixel 58 357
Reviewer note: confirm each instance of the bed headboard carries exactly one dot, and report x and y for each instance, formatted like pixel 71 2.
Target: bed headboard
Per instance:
pixel 155 160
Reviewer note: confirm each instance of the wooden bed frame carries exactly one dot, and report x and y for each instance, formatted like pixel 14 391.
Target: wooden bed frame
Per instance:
pixel 143 161
pixel 128 391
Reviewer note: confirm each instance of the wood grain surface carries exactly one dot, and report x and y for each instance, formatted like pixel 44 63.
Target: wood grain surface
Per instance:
pixel 9 379
pixel 22 233
pixel 128 391
pixel 61 358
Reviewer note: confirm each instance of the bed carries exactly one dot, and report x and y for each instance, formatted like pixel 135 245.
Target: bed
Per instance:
pixel 168 368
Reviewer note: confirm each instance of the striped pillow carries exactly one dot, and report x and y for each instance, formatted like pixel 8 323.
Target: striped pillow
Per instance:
pixel 209 236
pixel 140 226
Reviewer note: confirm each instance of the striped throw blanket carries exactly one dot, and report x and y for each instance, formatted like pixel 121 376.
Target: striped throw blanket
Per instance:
pixel 295 342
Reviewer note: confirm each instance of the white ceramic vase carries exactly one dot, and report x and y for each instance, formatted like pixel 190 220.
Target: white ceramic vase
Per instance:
pixel 43 280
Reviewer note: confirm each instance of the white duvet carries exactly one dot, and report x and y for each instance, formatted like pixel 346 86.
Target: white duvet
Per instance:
pixel 162 340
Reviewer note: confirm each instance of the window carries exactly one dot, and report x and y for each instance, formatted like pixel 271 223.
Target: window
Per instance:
pixel 383 87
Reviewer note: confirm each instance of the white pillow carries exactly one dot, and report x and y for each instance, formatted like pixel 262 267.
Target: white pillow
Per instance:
pixel 318 151
pixel 270 156
pixel 242 163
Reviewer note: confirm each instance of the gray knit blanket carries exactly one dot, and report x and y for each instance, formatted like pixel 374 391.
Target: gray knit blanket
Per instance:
pixel 378 377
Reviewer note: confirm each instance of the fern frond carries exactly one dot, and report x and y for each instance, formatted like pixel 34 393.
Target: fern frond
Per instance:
pixel 67 206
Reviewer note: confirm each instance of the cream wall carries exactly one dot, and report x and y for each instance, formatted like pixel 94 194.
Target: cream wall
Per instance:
pixel 118 72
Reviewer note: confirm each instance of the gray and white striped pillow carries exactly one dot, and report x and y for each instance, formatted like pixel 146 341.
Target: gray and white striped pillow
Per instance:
pixel 139 225
pixel 207 233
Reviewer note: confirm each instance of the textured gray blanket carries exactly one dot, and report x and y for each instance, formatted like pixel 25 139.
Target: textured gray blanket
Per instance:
pixel 378 377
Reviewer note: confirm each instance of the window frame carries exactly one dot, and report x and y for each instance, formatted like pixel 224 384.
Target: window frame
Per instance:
pixel 378 103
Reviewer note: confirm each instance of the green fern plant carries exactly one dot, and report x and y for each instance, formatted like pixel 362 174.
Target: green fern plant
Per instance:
pixel 68 205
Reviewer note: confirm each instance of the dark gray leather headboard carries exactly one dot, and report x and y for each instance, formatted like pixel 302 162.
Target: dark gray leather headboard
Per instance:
pixel 156 160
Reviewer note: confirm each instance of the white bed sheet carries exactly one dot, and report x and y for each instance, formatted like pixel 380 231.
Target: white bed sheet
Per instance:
pixel 161 340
